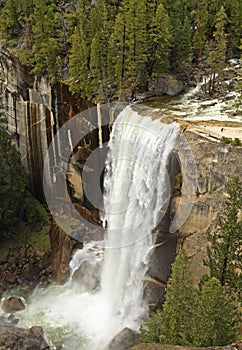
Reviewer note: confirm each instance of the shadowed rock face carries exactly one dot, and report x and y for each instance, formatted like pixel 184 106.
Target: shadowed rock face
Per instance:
pixel 34 111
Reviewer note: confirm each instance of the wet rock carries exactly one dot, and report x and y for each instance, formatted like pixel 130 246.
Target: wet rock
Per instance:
pixel 208 103
pixel 154 292
pixel 13 320
pixel 31 272
pixel 168 85
pixel 12 305
pixel 88 275
pixel 124 340
pixel 11 277
pixel 15 338
pixel 62 247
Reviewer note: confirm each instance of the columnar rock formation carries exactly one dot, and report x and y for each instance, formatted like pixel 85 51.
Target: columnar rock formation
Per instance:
pixel 34 111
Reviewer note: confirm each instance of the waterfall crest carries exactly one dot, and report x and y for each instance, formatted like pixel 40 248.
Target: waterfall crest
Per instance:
pixel 136 195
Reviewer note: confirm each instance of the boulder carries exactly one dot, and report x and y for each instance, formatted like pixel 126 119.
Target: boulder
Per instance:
pixel 88 275
pixel 12 337
pixel 168 85
pixel 124 340
pixel 12 305
pixel 208 103
pixel 10 277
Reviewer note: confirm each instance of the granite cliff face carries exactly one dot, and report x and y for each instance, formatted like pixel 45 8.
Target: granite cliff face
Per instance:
pixel 216 164
pixel 34 111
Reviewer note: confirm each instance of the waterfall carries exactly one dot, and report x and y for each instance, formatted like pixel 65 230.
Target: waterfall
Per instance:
pixel 85 314
pixel 136 189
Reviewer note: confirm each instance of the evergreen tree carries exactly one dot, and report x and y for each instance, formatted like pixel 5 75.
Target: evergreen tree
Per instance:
pixel 47 47
pixel 216 317
pixel 79 56
pixel 178 11
pixel 100 57
pixel 233 28
pixel 217 56
pixel 9 22
pixel 130 41
pixel 152 330
pixel 79 72
pixel 184 58
pixel 118 44
pixel 160 39
pixel 225 248
pixel 180 304
pixel 26 9
pixel 213 7
pixel 200 39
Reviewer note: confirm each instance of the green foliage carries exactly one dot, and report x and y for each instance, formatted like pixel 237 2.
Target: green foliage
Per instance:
pixel 233 27
pixel 46 50
pixel 179 180
pixel 208 317
pixel 234 142
pixel 101 68
pixel 9 20
pixel 216 317
pixel 200 39
pixel 130 40
pixel 151 332
pixel 102 48
pixel 179 306
pixel 79 80
pixel 160 42
pixel 225 245
pixel 217 55
pixel 179 12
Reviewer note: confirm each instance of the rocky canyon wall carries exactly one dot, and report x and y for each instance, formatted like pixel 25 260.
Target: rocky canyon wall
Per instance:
pixel 216 164
pixel 34 111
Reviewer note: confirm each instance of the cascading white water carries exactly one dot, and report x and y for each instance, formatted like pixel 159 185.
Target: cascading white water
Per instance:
pixel 136 194
pixel 137 187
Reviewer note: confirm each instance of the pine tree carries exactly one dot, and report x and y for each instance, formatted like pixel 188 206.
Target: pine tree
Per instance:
pixel 101 69
pixel 217 55
pixel 152 330
pixel 234 28
pixel 200 39
pixel 79 56
pixel 180 304
pixel 47 47
pixel 160 39
pixel 79 72
pixel 225 248
pixel 216 317
pixel 178 11
pixel 184 58
pixel 9 22
pixel 118 45
pixel 130 45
